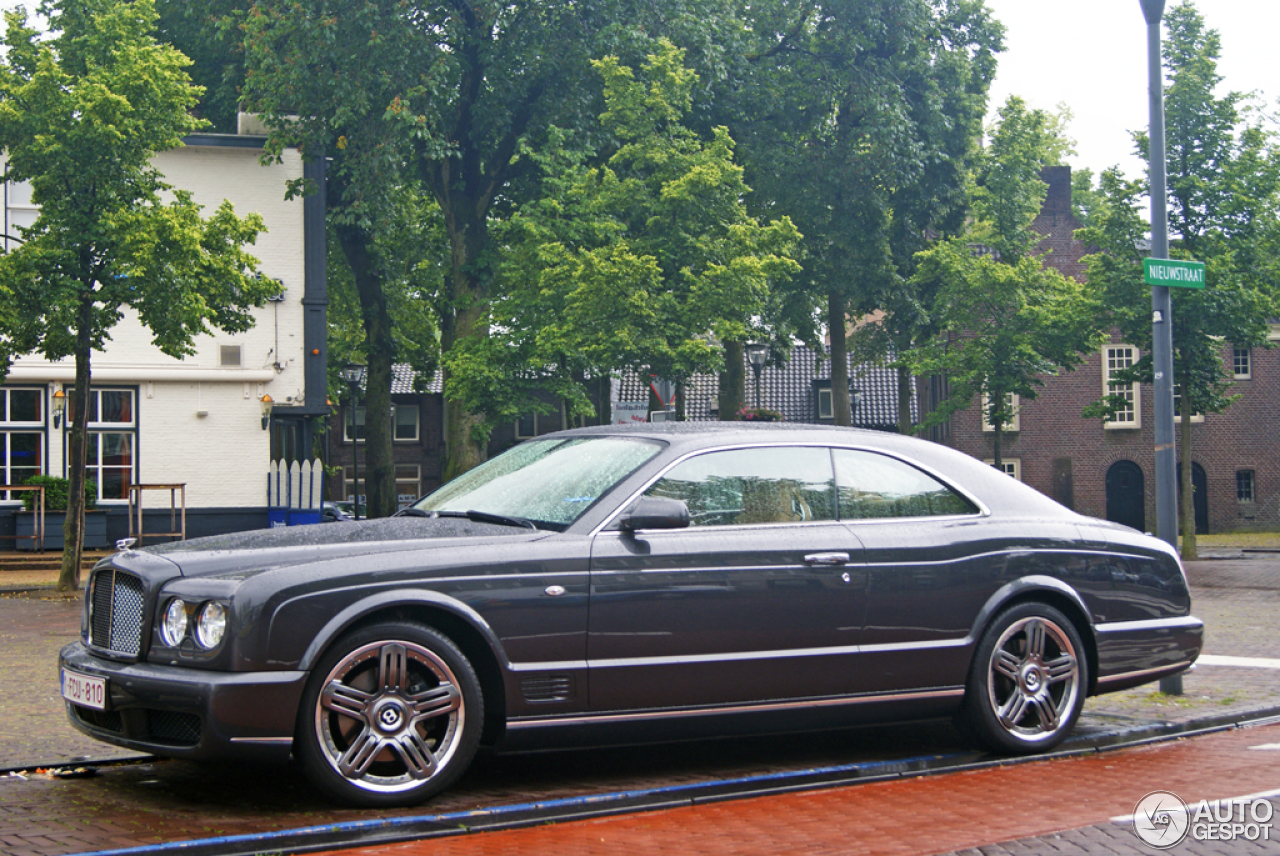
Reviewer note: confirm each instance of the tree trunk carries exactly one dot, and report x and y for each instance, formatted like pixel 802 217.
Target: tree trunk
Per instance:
pixel 905 425
pixel 379 429
pixel 77 453
pixel 733 382
pixel 466 432
pixel 1187 510
pixel 840 408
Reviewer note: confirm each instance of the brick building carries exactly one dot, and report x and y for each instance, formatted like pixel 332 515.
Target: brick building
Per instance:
pixel 1108 469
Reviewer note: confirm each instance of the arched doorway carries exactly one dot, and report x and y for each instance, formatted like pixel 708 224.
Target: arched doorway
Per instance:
pixel 1199 496
pixel 1125 501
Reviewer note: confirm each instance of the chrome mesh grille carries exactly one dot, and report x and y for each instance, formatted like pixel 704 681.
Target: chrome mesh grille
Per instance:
pixel 115 612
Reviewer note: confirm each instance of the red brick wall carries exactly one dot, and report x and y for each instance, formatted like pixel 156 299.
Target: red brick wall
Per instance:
pixel 1244 437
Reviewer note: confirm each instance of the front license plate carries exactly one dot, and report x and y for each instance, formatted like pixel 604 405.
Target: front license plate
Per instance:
pixel 84 690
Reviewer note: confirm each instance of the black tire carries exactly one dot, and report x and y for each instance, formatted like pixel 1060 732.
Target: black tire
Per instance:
pixel 1028 680
pixel 391 716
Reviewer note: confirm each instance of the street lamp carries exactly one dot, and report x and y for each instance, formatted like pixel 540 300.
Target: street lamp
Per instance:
pixel 1166 455
pixel 757 355
pixel 352 374
pixel 855 398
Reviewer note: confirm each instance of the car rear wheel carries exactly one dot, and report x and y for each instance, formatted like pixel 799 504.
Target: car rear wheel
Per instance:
pixel 1028 680
pixel 391 716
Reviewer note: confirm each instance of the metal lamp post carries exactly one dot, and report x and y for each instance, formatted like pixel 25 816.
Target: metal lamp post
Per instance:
pixel 1161 305
pixel 757 355
pixel 855 399
pixel 352 374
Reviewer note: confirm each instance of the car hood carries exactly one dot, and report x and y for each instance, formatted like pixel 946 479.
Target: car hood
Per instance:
pixel 267 548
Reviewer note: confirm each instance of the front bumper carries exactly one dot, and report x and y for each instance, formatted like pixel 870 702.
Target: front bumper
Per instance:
pixel 1131 653
pixel 188 713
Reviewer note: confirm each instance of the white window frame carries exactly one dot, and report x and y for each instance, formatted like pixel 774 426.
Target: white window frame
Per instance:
pixel 98 428
pixel 408 475
pixel 1177 417
pixel 1110 356
pixel 417 423
pixel 1015 405
pixel 1236 360
pixel 13 191
pixel 355 414
pixel 825 397
pixel 1011 467
pixel 10 428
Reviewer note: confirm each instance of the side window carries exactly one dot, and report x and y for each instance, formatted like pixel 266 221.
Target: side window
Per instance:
pixel 753 486
pixel 872 485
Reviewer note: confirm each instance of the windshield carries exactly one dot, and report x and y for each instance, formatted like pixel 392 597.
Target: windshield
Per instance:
pixel 550 482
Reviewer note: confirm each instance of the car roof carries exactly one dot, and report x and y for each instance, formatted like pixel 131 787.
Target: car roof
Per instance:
pixel 998 491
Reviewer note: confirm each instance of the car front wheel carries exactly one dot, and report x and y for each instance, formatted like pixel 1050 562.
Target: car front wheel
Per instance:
pixel 391 716
pixel 1028 680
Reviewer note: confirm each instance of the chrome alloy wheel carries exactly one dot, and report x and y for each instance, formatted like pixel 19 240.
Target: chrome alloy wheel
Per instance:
pixel 1034 680
pixel 390 716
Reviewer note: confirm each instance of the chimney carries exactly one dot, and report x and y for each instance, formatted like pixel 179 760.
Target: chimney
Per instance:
pixel 1057 200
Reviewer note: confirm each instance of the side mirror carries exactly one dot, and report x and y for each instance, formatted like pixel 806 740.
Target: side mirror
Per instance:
pixel 653 512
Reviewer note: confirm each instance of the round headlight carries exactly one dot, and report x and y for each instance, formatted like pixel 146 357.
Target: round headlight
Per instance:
pixel 211 623
pixel 173 626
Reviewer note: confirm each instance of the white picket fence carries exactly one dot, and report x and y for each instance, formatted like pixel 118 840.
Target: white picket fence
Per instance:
pixel 295 491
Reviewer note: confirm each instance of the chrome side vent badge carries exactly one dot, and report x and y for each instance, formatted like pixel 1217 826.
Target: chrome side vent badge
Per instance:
pixel 549 688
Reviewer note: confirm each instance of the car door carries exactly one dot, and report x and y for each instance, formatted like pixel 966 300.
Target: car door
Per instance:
pixel 761 598
pixel 929 572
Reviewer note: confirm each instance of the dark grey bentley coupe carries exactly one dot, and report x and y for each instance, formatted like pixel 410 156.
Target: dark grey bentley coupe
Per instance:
pixel 631 583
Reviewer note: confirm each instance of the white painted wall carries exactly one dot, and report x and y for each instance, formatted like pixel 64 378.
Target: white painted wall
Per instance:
pixel 199 422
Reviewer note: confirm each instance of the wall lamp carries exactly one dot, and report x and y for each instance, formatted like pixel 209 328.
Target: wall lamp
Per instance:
pixel 59 407
pixel 267 404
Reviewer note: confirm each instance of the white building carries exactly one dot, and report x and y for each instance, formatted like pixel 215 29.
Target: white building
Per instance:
pixel 196 421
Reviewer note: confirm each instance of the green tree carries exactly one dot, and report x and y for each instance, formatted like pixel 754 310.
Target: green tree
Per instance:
pixel 1224 194
pixel 645 263
pixel 351 68
pixel 1010 319
pixel 447 93
pixel 390 293
pixel 860 119
pixel 81 115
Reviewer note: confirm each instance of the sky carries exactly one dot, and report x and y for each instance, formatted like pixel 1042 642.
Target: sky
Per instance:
pixel 1092 56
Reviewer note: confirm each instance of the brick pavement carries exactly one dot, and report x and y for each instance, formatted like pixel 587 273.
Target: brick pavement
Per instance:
pixel 1044 803
pixel 169 801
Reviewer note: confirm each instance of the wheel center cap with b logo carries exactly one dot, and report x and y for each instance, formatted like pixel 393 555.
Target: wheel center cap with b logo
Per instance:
pixel 389 716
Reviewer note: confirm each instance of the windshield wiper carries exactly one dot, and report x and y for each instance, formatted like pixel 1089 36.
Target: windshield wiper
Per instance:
pixel 477 516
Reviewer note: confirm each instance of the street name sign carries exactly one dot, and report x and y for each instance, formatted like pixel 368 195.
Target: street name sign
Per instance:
pixel 1173 273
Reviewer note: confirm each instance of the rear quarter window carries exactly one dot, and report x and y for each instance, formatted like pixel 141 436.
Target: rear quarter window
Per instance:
pixel 870 485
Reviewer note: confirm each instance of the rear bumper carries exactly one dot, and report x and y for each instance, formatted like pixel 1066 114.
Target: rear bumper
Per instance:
pixel 1131 653
pixel 188 713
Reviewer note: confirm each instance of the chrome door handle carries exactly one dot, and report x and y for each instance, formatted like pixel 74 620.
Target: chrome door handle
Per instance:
pixel 827 559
